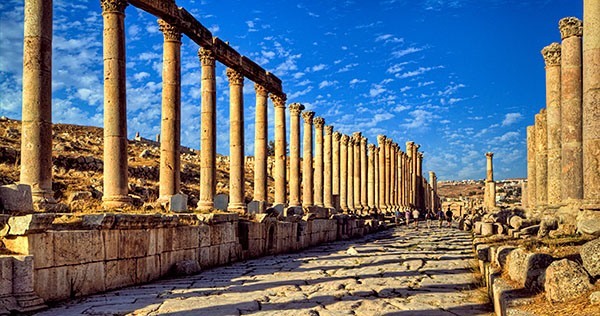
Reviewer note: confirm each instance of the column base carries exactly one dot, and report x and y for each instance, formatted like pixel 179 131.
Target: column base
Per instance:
pixel 118 201
pixel 239 208
pixel 205 206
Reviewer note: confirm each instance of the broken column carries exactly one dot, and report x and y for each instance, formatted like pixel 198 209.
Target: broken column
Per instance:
pixel 260 147
pixel 208 131
pixel 307 160
pixel 236 141
pixel 115 106
pixel 280 149
pixel 36 125
pixel 490 185
pixel 327 168
pixel 318 176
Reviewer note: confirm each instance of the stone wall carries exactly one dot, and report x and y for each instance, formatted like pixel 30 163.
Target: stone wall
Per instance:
pixel 81 255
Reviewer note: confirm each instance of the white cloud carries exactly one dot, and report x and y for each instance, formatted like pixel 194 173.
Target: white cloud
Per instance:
pixel 376 90
pixel 406 51
pixel 355 81
pixel 419 71
pixel 326 83
pixel 511 118
pixel 506 137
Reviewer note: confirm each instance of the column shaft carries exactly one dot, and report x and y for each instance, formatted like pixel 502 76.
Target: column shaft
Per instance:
pixel 307 160
pixel 335 169
pixel 280 149
pixel 327 169
pixel 236 141
pixel 541 160
pixel 531 164
pixel 318 165
pixel 295 110
pixel 381 172
pixel 350 176
pixel 357 173
pixel 344 173
pixel 260 144
pixel 208 131
pixel 363 173
pixel 371 177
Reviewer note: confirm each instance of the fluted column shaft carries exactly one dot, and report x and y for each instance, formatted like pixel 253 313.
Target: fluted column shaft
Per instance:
pixel 327 168
pixel 591 104
pixel 571 111
pixel 381 172
pixel 541 160
pixel 280 149
pixel 36 125
pixel 236 141
pixel 363 173
pixel 260 144
pixel 170 127
pixel 335 169
pixel 344 173
pixel 208 131
pixel 307 161
pixel 350 177
pixel 319 174
pixel 115 105
pixel 295 110
pixel 531 165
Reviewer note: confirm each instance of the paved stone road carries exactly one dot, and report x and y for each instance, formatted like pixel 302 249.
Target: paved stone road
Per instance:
pixel 401 271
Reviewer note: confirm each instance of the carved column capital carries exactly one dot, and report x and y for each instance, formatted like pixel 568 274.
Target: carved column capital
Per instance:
pixel 388 141
pixel 489 154
pixel 570 26
pixel 170 32
pixel 371 147
pixel 308 116
pixel 345 139
pixel 381 139
pixel 337 136
pixel 296 108
pixel 261 90
pixel 207 56
pixel 117 6
pixel 319 122
pixel 356 137
pixel 328 130
pixel 552 54
pixel 363 140
pixel 235 77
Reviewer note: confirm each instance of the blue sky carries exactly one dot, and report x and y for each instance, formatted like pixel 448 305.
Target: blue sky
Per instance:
pixel 459 77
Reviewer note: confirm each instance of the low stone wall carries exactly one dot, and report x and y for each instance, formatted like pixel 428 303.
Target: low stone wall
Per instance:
pixel 81 255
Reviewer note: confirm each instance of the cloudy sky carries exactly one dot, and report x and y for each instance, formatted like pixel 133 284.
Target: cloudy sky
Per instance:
pixel 459 77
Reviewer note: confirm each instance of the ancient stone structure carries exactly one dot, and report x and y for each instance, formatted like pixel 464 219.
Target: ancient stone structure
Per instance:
pixel 363 174
pixel 350 174
pixel 260 147
pixel 318 161
pixel 382 178
pixel 295 110
pixel 208 128
pixel 236 141
pixel 307 160
pixel 344 173
pixel 327 169
pixel 280 149
pixel 335 170
pixel 541 162
pixel 531 174
pixel 357 137
pixel 490 185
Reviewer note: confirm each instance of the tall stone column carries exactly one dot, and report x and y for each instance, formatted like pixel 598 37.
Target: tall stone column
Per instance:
pixel 371 177
pixel 208 131
pixel 236 141
pixel 541 161
pixel 400 177
pixel 350 169
pixel 382 178
pixel 36 125
pixel 115 105
pixel 591 104
pixel 376 176
pixel 327 169
pixel 307 160
pixel 280 150
pixel 319 174
pixel 433 183
pixel 490 185
pixel 531 164
pixel 388 174
pixel 357 172
pixel 420 181
pixel 335 169
pixel 260 146
pixel 363 173
pixel 393 148
pixel 571 111
pixel 344 173
pixel 170 127
pixel 295 110
pixel 410 172
pixel 551 54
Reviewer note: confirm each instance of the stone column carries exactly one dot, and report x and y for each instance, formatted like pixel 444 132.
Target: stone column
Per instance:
pixel 551 54
pixel 531 164
pixel 170 127
pixel 433 183
pixel 280 150
pixel 376 176
pixel 319 174
pixel 541 161
pixel 295 110
pixel 208 131
pixel 36 125
pixel 344 173
pixel 381 171
pixel 571 111
pixel 307 160
pixel 591 104
pixel 420 181
pixel 327 172
pixel 335 169
pixel 388 174
pixel 371 177
pixel 260 146
pixel 236 141
pixel 410 172
pixel 115 105
pixel 350 169
pixel 400 178
pixel 490 185
pixel 393 148
pixel 363 173
pixel 357 172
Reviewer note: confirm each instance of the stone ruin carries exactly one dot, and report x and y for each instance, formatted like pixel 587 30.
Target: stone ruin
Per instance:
pixel 348 185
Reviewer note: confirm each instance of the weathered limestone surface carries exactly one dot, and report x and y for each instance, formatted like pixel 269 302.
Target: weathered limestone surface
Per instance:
pixel 280 149
pixel 327 168
pixel 307 161
pixel 236 141
pixel 531 173
pixel 344 173
pixel 208 131
pixel 318 161
pixel 393 272
pixel 260 144
pixel 541 160
pixel 295 110
pixel 381 168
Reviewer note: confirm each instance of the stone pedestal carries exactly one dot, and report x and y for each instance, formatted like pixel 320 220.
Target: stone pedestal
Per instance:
pixel 115 106
pixel 327 168
pixel 260 145
pixel 170 127
pixel 295 110
pixel 318 176
pixel 280 149
pixel 307 161
pixel 208 131
pixel 236 142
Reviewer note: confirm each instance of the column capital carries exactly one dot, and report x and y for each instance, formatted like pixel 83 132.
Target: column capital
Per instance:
pixel 337 136
pixel 345 139
pixel 170 32
pixel 388 141
pixel 371 147
pixel 351 140
pixel 261 90
pixel 552 54
pixel 420 155
pixel 117 6
pixel 319 122
pixel 363 140
pixel 308 116
pixel 278 100
pixel 356 136
pixel 489 154
pixel 381 139
pixel 296 108
pixel 570 26
pixel 207 56
pixel 235 77
pixel 328 129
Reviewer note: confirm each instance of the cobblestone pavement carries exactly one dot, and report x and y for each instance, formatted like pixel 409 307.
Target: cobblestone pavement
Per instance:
pixel 401 271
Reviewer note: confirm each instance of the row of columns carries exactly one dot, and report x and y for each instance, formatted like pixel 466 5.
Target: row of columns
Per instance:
pixel 343 172
pixel 563 144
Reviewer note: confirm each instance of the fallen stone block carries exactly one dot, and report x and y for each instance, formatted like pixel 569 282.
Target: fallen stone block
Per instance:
pixel 527 268
pixel 566 280
pixel 590 255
